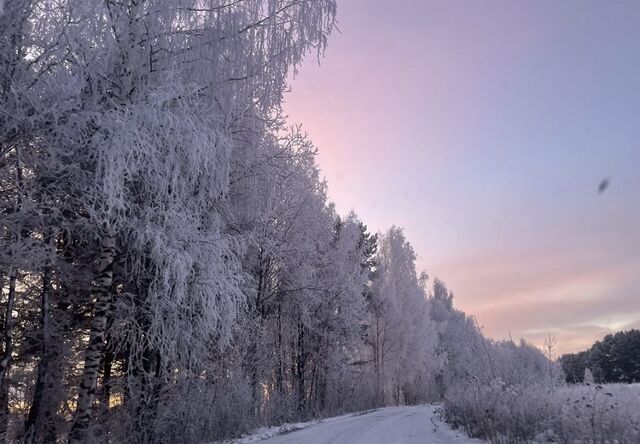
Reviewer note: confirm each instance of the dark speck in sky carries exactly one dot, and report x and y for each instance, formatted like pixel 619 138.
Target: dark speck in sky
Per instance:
pixel 603 186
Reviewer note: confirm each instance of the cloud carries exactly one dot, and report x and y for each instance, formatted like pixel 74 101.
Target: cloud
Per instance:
pixel 577 298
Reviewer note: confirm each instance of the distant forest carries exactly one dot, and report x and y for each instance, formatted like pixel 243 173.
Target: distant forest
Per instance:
pixel 614 359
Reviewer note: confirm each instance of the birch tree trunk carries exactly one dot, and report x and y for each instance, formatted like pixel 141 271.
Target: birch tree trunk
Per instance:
pixel 95 347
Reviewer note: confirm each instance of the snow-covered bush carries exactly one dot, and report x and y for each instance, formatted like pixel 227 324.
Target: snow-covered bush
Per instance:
pixel 536 413
pixel 598 413
pixel 498 411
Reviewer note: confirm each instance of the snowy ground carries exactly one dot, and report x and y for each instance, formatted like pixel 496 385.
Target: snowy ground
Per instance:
pixel 391 425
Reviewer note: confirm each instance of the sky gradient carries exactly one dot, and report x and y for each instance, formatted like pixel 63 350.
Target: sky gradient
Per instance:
pixel 484 129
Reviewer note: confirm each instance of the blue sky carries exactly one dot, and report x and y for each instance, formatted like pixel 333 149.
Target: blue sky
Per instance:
pixel 484 129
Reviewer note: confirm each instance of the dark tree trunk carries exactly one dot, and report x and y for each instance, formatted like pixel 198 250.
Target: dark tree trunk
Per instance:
pixel 39 414
pixel 300 365
pixel 5 362
pixel 106 377
pixel 280 374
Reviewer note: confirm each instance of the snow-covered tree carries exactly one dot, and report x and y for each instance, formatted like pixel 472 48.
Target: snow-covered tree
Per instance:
pixel 400 332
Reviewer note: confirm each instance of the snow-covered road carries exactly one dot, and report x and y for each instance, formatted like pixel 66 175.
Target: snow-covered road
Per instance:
pixel 392 425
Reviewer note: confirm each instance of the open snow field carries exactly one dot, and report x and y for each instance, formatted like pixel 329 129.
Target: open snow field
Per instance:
pixel 391 425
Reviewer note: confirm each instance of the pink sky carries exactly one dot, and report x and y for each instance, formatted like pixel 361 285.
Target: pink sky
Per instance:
pixel 483 129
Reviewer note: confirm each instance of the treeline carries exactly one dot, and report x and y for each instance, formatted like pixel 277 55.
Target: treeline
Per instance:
pixel 615 359
pixel 170 265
